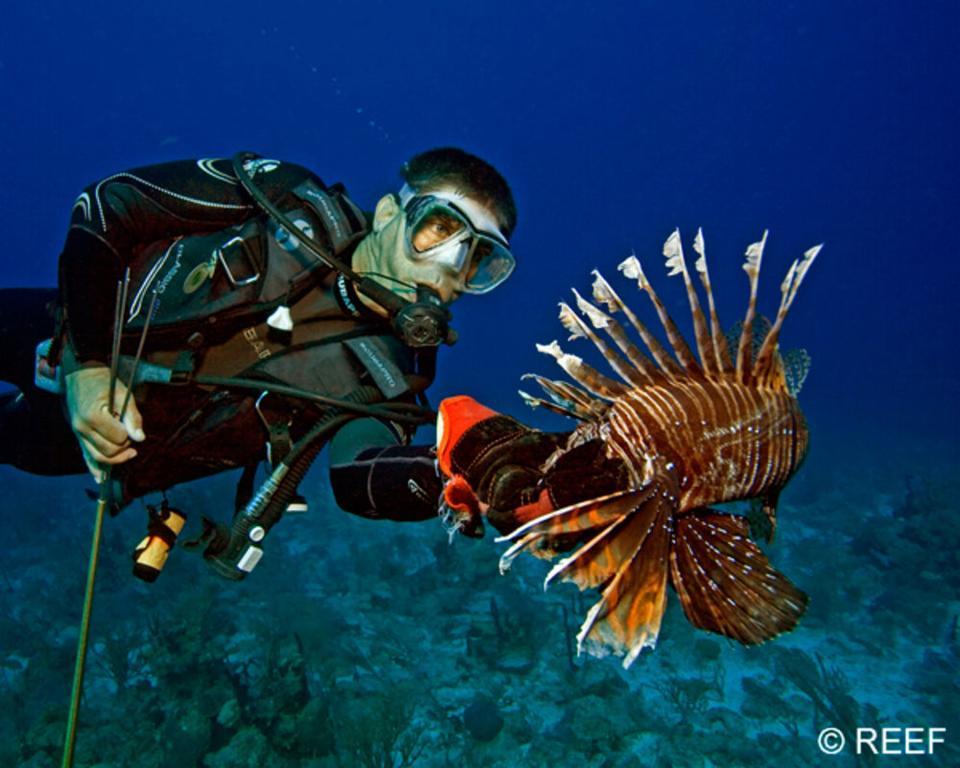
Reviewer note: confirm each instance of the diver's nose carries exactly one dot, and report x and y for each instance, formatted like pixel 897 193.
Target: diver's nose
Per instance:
pixel 447 288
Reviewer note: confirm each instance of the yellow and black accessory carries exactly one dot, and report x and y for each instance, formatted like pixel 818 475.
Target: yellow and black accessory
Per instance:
pixel 163 527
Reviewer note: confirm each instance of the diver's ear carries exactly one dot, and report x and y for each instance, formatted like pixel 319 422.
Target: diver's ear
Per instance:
pixel 387 208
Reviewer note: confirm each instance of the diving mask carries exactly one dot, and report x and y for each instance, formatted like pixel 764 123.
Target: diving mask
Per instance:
pixel 457 234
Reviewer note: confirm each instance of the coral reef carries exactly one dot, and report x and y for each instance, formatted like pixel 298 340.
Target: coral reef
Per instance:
pixel 358 643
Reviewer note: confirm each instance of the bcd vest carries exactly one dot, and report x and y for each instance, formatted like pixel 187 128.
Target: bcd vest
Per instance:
pixel 216 295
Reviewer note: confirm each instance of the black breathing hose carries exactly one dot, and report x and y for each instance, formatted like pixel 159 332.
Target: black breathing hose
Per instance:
pixel 407 413
pixel 233 552
pixel 383 296
pixel 423 323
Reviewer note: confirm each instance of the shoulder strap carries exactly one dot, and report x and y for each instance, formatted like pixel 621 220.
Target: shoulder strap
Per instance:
pixel 343 221
pixel 365 285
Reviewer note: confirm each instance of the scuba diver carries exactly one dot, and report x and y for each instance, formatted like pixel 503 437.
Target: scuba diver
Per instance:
pixel 256 314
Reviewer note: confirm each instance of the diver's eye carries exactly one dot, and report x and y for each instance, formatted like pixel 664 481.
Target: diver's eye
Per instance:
pixel 434 229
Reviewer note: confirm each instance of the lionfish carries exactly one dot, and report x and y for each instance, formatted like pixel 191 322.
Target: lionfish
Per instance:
pixel 692 433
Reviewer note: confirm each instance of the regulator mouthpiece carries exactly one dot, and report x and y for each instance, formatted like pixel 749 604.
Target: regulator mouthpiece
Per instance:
pixel 424 322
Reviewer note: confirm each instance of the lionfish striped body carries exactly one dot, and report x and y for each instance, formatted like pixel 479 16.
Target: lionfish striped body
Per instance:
pixel 726 440
pixel 692 431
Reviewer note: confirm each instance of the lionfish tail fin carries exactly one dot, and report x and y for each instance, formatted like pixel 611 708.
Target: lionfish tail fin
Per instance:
pixel 721 351
pixel 796 366
pixel 632 270
pixel 677 265
pixel 725 582
pixel 766 369
pixel 754 258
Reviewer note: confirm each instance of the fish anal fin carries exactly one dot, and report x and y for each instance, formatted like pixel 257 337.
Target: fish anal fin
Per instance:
pixel 725 582
pixel 770 512
pixel 762 518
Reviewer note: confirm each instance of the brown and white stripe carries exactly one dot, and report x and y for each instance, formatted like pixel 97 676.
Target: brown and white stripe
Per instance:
pixel 692 433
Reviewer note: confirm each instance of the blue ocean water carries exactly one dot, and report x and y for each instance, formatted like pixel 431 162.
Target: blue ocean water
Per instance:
pixel 615 123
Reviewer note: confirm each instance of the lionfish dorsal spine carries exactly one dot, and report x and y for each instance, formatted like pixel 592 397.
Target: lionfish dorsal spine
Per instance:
pixel 631 268
pixel 550 405
pixel 562 389
pixel 642 367
pixel 754 258
pixel 588 377
pixel 720 349
pixel 579 329
pixel 677 265
pixel 566 397
pixel 604 294
pixel 764 369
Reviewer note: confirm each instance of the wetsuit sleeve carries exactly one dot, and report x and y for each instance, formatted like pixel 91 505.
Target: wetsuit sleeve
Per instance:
pixel 114 218
pixel 373 476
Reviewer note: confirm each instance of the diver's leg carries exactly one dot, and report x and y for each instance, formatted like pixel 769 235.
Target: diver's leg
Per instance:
pixel 26 319
pixel 34 433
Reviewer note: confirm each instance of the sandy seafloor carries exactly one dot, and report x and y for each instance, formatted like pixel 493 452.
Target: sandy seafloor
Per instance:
pixel 363 643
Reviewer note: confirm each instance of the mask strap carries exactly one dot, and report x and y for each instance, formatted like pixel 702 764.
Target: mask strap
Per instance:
pixel 406 194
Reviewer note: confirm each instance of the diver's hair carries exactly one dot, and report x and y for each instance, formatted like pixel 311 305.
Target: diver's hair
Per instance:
pixel 469 174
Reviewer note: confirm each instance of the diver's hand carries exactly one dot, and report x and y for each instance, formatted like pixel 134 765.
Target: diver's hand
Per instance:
pixel 104 439
pixel 492 458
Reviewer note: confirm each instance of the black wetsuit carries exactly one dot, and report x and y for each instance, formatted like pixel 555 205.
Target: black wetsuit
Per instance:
pixel 115 220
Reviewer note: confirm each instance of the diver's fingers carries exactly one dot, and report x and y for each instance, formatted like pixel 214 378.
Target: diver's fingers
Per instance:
pixel 106 451
pixel 133 421
pixel 102 427
pixel 109 457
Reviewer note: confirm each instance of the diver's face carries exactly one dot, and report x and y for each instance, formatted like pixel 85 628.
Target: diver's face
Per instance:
pixel 405 268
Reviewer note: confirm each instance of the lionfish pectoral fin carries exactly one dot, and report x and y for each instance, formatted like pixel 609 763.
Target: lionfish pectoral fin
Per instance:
pixel 725 582
pixel 624 552
pixel 626 619
pixel 547 535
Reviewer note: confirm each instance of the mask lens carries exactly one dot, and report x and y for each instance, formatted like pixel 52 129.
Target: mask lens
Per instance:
pixel 435 228
pixel 492 263
pixel 438 231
